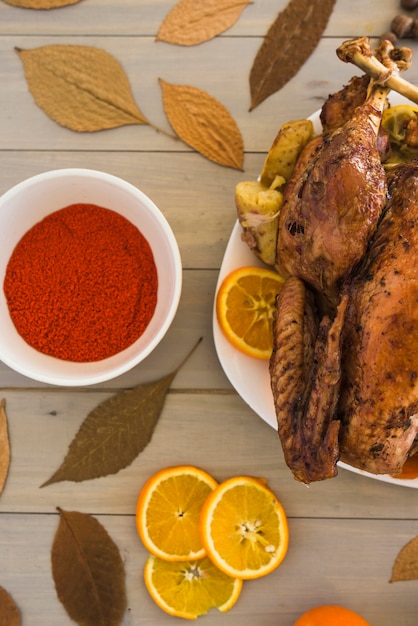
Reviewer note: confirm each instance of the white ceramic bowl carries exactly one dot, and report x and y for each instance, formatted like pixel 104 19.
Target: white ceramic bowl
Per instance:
pixel 29 202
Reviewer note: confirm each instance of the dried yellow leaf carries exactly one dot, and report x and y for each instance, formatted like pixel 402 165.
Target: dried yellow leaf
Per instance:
pixel 203 123
pixel 191 22
pixel 80 87
pixel 4 445
pixel 9 613
pixel 40 4
pixel 406 564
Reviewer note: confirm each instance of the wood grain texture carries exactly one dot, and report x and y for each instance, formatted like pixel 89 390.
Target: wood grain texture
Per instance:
pixel 275 599
pixel 344 533
pixel 135 18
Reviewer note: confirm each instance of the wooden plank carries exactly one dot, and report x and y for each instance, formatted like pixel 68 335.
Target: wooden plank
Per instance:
pixel 346 532
pixel 347 562
pixel 215 431
pixel 227 62
pixel 201 212
pixel 143 17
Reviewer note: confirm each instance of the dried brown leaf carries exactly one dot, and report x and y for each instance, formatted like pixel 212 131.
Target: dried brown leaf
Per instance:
pixel 406 564
pixel 289 42
pixel 9 613
pixel 191 22
pixel 203 123
pixel 80 87
pixel 88 571
pixel 40 4
pixel 115 432
pixel 4 445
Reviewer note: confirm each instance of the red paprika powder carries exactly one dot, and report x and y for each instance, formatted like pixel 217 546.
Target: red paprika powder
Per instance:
pixel 81 284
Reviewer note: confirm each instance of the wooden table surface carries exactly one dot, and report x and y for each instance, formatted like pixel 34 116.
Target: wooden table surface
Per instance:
pixel 345 533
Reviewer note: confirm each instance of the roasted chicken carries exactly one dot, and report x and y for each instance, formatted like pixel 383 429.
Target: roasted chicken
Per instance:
pixel 336 392
pixel 348 389
pixel 333 201
pixel 378 407
pixel 336 194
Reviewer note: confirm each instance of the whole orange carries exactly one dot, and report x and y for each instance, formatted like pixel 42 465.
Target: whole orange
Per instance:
pixel 330 615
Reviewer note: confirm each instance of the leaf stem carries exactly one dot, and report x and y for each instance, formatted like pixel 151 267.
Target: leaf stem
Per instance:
pixel 186 358
pixel 163 132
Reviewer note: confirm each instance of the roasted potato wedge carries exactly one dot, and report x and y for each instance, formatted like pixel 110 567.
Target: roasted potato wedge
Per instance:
pixel 258 202
pixel 285 150
pixel 258 209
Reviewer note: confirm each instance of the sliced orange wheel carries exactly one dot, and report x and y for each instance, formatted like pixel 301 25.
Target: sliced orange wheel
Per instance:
pixel 168 510
pixel 244 528
pixel 245 305
pixel 190 588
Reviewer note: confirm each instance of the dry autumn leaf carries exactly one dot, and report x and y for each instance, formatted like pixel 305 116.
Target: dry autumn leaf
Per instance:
pixel 4 445
pixel 406 564
pixel 289 42
pixel 115 432
pixel 88 571
pixel 40 4
pixel 80 87
pixel 9 613
pixel 191 22
pixel 203 123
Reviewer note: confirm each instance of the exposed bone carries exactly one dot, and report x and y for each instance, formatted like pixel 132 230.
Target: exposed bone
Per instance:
pixel 358 52
pixel 377 99
pixel 395 59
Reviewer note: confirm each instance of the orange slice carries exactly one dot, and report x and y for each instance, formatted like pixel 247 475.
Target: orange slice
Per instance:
pixel 244 528
pixel 245 305
pixel 168 510
pixel 330 615
pixel 190 588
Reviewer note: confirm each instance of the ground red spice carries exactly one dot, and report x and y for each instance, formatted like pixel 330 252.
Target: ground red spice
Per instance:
pixel 81 285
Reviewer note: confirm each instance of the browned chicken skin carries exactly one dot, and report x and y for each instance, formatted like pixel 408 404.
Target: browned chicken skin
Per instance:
pixel 339 106
pixel 378 407
pixel 305 372
pixel 333 201
pixel 344 368
pixel 348 388
pixel 331 206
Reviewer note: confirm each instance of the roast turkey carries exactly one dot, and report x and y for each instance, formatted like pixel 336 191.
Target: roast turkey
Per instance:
pixel 344 368
pixel 333 201
pixel 378 405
